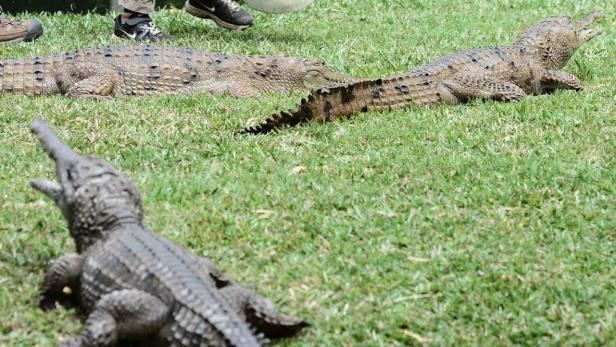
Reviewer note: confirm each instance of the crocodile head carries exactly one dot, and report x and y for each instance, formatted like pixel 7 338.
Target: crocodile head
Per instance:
pixel 93 197
pixel 289 73
pixel 553 41
pixel 317 74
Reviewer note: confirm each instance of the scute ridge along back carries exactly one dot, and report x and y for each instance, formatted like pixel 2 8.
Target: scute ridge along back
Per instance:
pixel 531 65
pixel 109 71
pixel 134 284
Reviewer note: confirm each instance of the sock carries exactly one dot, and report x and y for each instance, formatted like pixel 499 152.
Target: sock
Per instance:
pixel 127 15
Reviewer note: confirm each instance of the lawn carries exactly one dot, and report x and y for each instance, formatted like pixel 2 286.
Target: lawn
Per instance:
pixel 481 224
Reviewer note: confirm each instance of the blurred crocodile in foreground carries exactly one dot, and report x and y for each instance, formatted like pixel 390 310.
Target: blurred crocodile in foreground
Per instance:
pixel 135 285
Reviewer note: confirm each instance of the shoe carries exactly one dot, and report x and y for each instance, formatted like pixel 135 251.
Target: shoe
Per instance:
pixel 225 13
pixel 138 28
pixel 14 30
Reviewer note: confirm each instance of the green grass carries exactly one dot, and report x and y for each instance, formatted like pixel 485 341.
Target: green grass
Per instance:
pixel 484 224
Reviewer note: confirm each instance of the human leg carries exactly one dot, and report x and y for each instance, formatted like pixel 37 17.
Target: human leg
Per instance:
pixel 138 6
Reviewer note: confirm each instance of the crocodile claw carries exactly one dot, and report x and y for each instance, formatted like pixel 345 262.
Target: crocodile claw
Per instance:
pixel 75 341
pixel 46 303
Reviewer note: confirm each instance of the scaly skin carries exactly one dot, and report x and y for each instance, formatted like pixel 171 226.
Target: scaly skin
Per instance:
pixel 136 285
pixel 110 71
pixel 531 65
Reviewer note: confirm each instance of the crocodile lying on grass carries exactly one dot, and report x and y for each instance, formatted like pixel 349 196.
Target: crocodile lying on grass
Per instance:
pixel 104 72
pixel 531 65
pixel 134 284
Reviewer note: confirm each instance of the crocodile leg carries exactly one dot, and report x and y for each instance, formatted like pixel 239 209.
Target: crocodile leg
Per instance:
pixel 466 86
pixel 555 79
pixel 240 90
pixel 52 190
pixel 87 80
pixel 63 272
pixel 97 87
pixel 123 314
pixel 235 89
pixel 261 313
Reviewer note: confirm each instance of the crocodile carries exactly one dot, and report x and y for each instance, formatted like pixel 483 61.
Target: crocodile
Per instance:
pixel 109 71
pixel 531 65
pixel 133 284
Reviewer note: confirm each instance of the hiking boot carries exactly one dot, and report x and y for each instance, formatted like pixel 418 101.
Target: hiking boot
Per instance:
pixel 225 13
pixel 14 30
pixel 138 28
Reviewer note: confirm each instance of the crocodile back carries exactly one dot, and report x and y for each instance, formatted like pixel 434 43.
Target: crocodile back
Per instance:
pixel 506 63
pixel 155 70
pixel 160 70
pixel 134 258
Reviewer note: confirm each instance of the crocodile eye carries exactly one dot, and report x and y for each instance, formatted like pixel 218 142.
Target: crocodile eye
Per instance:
pixel 314 73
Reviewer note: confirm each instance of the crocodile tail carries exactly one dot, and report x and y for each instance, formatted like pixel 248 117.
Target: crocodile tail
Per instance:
pixel 302 114
pixel 323 104
pixel 27 76
pixel 346 100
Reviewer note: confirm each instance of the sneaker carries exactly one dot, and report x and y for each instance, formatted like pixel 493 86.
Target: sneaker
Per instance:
pixel 225 13
pixel 138 28
pixel 14 30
